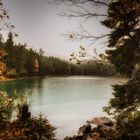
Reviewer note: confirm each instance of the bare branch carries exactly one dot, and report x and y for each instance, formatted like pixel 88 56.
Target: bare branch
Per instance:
pixel 84 36
pixel 86 13
pixel 81 12
pixel 76 2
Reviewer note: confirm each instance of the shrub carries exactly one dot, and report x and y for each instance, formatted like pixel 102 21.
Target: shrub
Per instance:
pixel 24 127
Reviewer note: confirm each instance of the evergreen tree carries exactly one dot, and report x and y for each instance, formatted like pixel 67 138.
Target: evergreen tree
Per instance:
pixel 124 40
pixel 9 48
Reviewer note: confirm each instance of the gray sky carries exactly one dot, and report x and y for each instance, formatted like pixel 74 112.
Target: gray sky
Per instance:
pixel 39 25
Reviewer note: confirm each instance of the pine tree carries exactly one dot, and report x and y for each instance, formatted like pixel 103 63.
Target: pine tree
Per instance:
pixel 124 43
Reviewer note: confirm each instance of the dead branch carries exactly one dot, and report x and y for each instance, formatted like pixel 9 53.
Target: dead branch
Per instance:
pixel 4 18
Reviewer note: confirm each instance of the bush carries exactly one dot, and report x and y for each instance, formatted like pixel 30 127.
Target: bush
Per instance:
pixel 26 127
pixel 33 129
pixel 6 107
pixel 128 129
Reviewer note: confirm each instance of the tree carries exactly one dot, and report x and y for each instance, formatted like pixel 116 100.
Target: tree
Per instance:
pixel 9 48
pixel 30 62
pixel 2 54
pixel 20 51
pixel 124 36
pixel 125 55
pixel 2 65
pixel 41 63
pixel 4 24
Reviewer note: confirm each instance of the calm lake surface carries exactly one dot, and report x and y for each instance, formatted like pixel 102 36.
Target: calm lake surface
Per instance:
pixel 66 101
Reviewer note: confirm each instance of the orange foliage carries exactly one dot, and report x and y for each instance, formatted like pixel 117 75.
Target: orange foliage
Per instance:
pixel 2 53
pixel 36 65
pixel 2 68
pixel 2 65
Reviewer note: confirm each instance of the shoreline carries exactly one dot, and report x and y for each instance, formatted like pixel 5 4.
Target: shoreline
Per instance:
pixel 20 78
pixel 4 79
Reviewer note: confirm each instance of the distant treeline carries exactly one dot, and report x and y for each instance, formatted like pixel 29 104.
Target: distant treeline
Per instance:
pixel 21 61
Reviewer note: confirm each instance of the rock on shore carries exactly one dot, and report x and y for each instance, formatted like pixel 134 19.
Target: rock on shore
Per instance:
pixel 99 128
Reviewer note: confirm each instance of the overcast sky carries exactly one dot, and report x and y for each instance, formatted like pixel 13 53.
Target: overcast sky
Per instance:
pixel 39 25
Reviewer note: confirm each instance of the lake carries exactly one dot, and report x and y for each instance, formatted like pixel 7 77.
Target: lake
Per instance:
pixel 66 101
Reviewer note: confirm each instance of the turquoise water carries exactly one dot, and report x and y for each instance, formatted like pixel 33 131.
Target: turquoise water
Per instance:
pixel 66 101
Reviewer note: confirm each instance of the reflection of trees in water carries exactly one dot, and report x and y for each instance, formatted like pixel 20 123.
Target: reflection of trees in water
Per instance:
pixel 24 86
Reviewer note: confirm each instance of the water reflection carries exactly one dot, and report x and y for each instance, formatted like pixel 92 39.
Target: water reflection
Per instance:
pixel 22 86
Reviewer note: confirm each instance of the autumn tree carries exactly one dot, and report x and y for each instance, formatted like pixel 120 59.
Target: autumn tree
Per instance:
pixel 2 54
pixel 4 24
pixel 2 65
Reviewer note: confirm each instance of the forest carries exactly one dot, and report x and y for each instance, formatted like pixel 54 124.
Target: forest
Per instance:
pixel 22 61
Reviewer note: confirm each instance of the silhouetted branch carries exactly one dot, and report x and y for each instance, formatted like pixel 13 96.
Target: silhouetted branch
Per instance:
pixel 4 17
pixel 84 35
pixel 75 2
pixel 81 12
